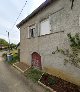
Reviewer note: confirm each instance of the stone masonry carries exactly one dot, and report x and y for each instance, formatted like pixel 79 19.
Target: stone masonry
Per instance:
pixel 63 20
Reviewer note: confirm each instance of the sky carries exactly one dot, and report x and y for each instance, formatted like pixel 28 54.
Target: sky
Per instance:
pixel 9 11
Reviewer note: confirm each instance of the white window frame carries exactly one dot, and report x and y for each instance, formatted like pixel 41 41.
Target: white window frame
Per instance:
pixel 33 28
pixel 45 23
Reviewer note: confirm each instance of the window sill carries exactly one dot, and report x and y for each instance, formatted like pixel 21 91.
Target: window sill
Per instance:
pixel 51 33
pixel 46 34
pixel 31 37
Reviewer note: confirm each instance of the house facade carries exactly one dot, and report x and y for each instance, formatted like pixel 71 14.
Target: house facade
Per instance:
pixel 44 31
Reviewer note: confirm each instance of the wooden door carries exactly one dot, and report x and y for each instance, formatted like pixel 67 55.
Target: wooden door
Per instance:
pixel 36 60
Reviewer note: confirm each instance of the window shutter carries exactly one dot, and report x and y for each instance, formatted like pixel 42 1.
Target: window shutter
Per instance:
pixel 38 29
pixel 50 23
pixel 35 30
pixel 28 33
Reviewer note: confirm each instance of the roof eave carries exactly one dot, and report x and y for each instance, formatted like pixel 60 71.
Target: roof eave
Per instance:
pixel 36 11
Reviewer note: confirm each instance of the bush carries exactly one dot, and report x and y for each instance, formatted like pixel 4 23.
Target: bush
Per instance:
pixel 15 58
pixel 51 80
pixel 4 55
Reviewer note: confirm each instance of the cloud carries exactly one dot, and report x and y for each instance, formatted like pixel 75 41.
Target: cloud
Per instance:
pixel 14 37
pixel 10 12
pixel 5 23
pixel 30 7
pixel 38 2
pixel 35 4
pixel 4 37
pixel 18 3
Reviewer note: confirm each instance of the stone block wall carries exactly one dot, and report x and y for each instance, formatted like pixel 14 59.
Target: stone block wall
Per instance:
pixel 63 20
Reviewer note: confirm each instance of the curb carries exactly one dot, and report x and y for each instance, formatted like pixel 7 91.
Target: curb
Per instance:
pixel 27 69
pixel 20 68
pixel 46 87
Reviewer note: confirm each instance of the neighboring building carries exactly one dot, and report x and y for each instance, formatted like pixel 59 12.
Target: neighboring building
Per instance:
pixel 45 30
pixel 18 48
pixel 2 47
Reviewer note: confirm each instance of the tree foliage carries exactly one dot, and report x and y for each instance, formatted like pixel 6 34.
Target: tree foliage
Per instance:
pixel 4 42
pixel 12 46
pixel 73 57
pixel 74 40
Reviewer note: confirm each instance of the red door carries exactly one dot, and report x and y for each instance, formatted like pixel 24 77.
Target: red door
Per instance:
pixel 36 60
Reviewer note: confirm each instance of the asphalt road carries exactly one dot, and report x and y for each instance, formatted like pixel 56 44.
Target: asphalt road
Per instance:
pixel 11 80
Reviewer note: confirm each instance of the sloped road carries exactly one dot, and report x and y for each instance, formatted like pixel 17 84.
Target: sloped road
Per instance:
pixel 12 80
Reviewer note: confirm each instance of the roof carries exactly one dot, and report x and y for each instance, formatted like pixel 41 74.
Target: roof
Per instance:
pixel 36 11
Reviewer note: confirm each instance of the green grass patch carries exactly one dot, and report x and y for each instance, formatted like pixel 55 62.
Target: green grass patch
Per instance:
pixel 33 74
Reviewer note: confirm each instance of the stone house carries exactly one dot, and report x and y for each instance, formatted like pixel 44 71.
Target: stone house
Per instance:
pixel 44 31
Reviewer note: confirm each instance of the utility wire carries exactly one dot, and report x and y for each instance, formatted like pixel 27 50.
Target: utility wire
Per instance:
pixel 19 15
pixel 16 19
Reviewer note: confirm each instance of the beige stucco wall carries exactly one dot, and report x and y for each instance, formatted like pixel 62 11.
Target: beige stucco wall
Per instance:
pixel 63 20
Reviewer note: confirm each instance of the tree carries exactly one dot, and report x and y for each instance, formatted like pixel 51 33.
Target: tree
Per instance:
pixel 3 42
pixel 12 46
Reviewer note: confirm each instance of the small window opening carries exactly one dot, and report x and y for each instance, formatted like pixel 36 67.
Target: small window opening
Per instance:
pixel 32 32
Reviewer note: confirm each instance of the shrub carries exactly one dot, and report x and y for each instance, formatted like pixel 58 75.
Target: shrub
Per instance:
pixel 15 58
pixel 51 80
pixel 4 55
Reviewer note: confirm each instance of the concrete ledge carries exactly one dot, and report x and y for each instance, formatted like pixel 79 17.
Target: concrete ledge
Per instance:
pixel 14 65
pixel 46 86
pixel 18 68
pixel 27 69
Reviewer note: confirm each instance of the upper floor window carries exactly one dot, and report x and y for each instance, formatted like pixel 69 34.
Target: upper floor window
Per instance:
pixel 45 27
pixel 31 31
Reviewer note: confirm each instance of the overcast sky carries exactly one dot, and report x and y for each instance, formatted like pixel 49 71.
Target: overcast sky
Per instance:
pixel 9 11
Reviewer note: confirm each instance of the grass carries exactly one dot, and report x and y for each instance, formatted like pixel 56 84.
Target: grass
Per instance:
pixel 12 62
pixel 33 74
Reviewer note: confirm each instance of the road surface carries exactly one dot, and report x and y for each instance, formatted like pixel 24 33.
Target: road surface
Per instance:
pixel 11 80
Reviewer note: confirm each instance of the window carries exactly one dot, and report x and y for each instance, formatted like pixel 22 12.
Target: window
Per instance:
pixel 45 27
pixel 31 31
